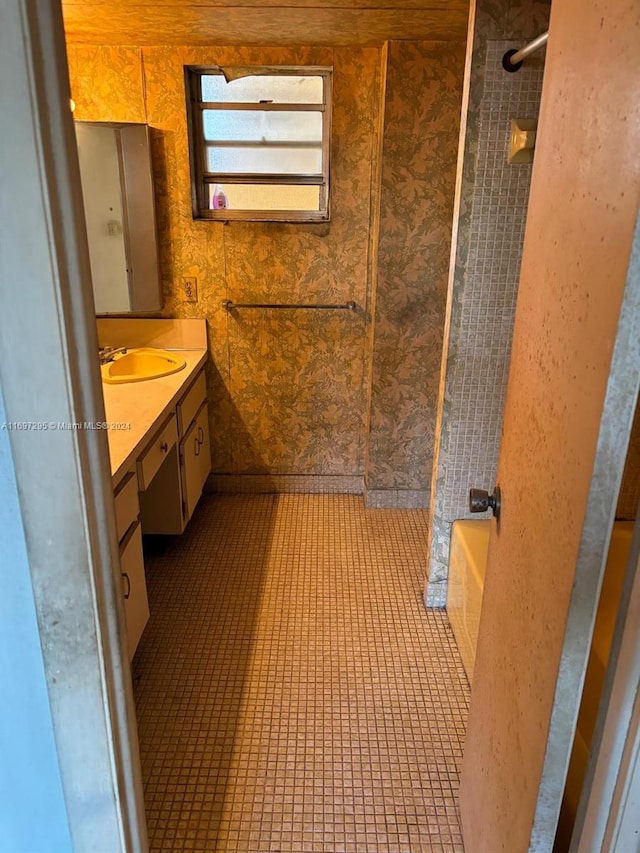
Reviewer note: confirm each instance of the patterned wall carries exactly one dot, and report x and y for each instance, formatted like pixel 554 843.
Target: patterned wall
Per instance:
pixel 289 391
pixel 421 125
pixel 493 206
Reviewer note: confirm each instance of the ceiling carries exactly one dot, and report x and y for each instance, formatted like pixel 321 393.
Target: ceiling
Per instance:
pixel 262 22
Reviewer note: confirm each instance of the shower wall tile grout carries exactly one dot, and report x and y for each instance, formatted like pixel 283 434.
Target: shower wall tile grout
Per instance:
pixel 493 208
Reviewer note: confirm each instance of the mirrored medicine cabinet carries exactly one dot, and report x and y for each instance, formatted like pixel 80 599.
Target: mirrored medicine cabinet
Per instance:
pixel 119 204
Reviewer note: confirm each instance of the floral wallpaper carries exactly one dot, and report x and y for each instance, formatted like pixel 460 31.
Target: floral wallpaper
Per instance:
pixel 421 124
pixel 287 389
pixel 289 392
pixel 107 83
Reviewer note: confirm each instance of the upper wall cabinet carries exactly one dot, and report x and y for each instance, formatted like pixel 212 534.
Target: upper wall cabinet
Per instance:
pixel 119 205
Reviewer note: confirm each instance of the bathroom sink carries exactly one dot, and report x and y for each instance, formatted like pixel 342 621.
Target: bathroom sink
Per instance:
pixel 136 365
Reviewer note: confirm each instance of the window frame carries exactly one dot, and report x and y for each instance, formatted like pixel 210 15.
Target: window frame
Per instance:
pixel 201 179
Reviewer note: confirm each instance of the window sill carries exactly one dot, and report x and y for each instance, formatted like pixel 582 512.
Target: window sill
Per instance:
pixel 257 216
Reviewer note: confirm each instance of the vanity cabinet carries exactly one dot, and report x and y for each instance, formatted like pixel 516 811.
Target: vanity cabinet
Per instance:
pixel 157 453
pixel 173 469
pixel 195 455
pixel 134 588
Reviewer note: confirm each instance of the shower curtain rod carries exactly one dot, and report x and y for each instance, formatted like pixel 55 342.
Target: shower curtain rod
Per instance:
pixel 513 59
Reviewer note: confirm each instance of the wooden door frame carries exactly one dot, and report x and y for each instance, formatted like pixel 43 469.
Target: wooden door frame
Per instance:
pixel 607 816
pixel 50 382
pixel 606 819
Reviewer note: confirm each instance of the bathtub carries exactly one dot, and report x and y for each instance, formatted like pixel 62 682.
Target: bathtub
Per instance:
pixel 467 562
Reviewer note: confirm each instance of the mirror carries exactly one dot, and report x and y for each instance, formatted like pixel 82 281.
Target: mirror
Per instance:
pixel 119 205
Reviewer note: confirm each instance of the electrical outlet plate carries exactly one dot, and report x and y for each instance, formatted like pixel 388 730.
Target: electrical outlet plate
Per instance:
pixel 190 288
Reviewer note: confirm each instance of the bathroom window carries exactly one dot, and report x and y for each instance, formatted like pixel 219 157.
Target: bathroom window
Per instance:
pixel 259 143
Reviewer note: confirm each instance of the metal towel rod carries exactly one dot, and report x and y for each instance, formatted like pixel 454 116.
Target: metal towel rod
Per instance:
pixel 228 305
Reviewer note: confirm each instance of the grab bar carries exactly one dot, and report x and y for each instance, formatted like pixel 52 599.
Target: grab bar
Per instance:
pixel 228 305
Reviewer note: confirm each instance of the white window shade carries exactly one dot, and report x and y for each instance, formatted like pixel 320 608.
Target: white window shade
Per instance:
pixel 259 144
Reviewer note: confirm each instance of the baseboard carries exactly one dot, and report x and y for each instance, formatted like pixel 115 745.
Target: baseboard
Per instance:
pixel 284 484
pixel 396 498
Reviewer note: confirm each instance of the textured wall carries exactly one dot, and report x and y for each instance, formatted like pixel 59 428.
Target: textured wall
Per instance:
pixel 484 280
pixel 421 125
pixel 288 390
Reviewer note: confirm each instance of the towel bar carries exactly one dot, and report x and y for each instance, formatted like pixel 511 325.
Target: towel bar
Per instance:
pixel 228 305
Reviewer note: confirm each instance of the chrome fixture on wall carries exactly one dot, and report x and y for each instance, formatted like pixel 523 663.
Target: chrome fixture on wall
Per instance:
pixel 513 59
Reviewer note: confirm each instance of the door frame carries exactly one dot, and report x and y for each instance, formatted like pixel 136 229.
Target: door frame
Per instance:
pixel 50 380
pixel 607 816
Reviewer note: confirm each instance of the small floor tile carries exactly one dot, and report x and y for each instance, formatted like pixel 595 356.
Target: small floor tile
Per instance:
pixel 293 694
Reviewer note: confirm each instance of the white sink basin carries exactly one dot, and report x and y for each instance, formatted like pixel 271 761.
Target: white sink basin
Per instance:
pixel 138 365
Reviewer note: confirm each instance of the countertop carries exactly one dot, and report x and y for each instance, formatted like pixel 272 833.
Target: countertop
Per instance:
pixel 135 410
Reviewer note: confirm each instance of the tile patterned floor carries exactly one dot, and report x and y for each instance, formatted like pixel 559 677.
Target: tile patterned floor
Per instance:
pixel 293 694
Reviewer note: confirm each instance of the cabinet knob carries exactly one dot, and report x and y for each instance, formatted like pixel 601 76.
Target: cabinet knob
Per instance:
pixel 164 447
pixel 125 577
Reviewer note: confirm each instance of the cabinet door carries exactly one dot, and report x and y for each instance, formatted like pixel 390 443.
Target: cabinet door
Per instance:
pixel 134 587
pixel 126 504
pixel 117 190
pixel 196 460
pixel 190 404
pixel 156 453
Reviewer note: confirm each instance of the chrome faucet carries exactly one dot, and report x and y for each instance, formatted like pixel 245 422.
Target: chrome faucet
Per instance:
pixel 107 354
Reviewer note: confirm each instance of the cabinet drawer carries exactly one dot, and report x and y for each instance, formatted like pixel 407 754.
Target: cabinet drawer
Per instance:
pixel 134 587
pixel 157 452
pixel 126 504
pixel 196 460
pixel 191 402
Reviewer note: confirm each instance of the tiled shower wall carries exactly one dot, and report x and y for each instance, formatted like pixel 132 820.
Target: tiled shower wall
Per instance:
pixel 479 363
pixel 493 205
